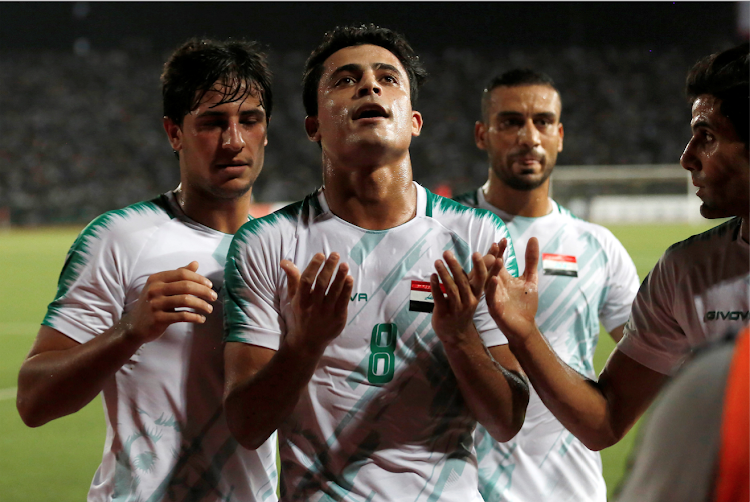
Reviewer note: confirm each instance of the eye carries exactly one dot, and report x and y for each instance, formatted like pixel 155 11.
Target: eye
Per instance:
pixel 510 123
pixel 390 79
pixel 345 81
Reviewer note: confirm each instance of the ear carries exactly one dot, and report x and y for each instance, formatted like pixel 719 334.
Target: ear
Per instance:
pixel 562 133
pixel 174 133
pixel 480 130
pixel 312 129
pixel 416 123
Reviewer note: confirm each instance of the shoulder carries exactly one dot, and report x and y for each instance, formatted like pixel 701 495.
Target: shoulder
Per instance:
pixel 707 243
pixel 456 214
pixel 279 227
pixel 124 225
pixel 595 234
pixel 468 198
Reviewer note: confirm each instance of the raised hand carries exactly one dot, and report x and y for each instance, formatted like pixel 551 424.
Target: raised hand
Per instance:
pixel 320 316
pixel 170 297
pixel 453 315
pixel 512 301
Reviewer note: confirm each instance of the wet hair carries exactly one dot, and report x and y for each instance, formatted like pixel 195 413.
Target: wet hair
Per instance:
pixel 347 36
pixel 193 69
pixel 725 76
pixel 514 78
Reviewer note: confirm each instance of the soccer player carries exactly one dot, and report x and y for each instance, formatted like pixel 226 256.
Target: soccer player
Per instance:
pixel 137 316
pixel 698 291
pixel 586 277
pixel 330 335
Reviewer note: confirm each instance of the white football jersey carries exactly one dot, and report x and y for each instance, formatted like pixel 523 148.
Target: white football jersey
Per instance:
pixel 585 277
pixel 698 291
pixel 167 437
pixel 382 418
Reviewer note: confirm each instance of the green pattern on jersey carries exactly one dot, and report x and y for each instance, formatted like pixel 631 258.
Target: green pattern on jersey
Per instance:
pixel 586 331
pixel 79 253
pixel 364 247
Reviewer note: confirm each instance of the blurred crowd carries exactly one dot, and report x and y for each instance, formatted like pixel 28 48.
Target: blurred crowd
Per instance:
pixel 80 135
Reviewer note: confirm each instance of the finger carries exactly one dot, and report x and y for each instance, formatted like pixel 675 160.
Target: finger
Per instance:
pixel 172 303
pixel 342 302
pixel 479 274
pixel 451 291
pixel 337 285
pixel 308 278
pixel 183 288
pixel 531 274
pixel 460 279
pixel 441 303
pixel 186 273
pixel 324 277
pixel 501 247
pixel 180 316
pixel 292 277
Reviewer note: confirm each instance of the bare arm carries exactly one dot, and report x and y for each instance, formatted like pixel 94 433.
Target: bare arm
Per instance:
pixel 597 413
pixel 617 333
pixel 262 386
pixel 60 376
pixel 491 381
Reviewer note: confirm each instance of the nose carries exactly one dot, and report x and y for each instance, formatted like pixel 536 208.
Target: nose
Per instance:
pixel 232 137
pixel 529 135
pixel 368 84
pixel 688 159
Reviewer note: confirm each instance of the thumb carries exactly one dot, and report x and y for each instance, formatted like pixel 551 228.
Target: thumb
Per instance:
pixel 532 260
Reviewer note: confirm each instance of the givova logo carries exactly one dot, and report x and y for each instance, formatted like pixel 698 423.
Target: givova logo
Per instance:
pixel 729 315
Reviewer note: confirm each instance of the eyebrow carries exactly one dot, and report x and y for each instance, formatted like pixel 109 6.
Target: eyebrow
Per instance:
pixel 356 67
pixel 699 124
pixel 217 113
pixel 546 115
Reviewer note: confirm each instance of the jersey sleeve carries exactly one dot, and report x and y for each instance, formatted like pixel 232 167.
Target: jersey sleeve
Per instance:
pixel 652 335
pixel 621 286
pixel 494 230
pixel 251 279
pixel 93 285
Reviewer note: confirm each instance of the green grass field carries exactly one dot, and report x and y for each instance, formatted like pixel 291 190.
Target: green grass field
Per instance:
pixel 57 461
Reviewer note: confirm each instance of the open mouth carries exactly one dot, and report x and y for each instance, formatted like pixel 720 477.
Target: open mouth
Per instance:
pixel 370 112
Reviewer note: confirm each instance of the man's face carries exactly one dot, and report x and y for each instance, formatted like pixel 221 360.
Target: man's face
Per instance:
pixel 718 161
pixel 364 105
pixel 522 134
pixel 221 146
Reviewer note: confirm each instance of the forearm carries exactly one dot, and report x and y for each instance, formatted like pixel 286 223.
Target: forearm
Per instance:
pixel 577 402
pixel 496 396
pixel 57 382
pixel 256 404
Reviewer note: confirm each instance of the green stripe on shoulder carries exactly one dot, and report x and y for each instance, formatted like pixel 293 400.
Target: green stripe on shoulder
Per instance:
pixel 444 204
pixel 286 213
pixel 79 253
pixel 468 198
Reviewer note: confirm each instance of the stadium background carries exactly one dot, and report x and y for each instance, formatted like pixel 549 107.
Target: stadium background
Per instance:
pixel 80 133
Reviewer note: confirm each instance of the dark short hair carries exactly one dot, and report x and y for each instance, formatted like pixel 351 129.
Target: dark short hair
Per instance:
pixel 198 64
pixel 514 78
pixel 347 36
pixel 725 76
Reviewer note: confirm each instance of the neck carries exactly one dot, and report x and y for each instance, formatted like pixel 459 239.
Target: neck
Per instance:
pixel 371 197
pixel 529 203
pixel 224 215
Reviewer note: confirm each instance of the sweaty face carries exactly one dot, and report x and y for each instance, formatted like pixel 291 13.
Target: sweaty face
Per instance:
pixel 522 134
pixel 718 161
pixel 364 104
pixel 221 146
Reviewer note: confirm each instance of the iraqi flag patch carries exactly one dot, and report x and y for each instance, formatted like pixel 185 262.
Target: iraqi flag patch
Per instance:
pixel 559 264
pixel 420 298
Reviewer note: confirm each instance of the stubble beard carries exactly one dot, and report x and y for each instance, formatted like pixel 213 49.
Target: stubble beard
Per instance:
pixel 520 182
